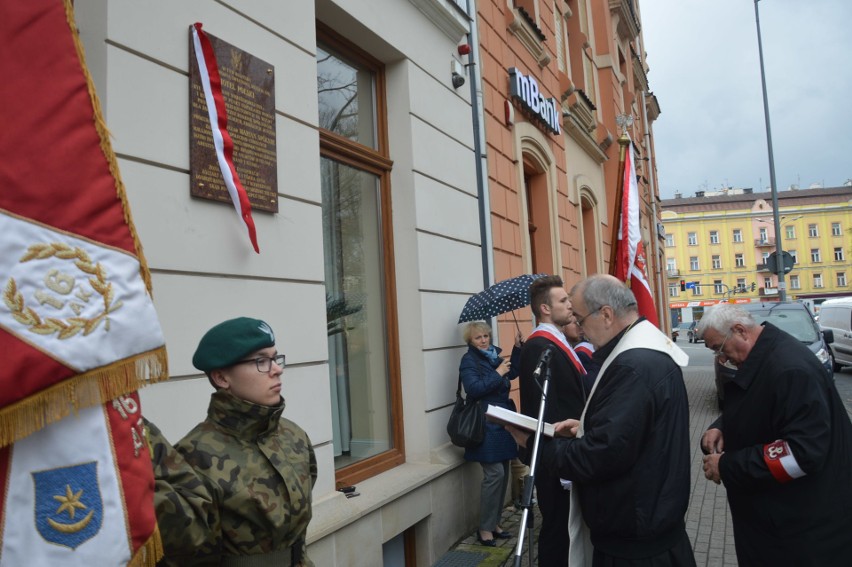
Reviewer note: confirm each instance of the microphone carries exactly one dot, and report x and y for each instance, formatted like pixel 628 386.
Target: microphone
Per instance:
pixel 543 361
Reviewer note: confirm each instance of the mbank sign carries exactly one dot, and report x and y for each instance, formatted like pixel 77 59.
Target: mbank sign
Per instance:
pixel 525 90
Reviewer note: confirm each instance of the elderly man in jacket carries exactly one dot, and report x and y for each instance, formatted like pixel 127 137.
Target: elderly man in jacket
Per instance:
pixel 782 446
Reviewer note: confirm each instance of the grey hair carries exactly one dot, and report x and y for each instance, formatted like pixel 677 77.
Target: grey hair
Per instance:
pixel 600 290
pixel 723 317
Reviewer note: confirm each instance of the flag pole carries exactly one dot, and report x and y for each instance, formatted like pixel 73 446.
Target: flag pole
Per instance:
pixel 623 142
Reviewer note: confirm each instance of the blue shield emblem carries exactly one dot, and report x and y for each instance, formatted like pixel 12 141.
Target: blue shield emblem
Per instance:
pixel 68 505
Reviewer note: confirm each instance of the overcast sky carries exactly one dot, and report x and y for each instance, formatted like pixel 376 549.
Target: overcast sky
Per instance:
pixel 705 72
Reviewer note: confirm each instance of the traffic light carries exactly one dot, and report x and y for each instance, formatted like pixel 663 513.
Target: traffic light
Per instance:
pixel 683 285
pixel 753 286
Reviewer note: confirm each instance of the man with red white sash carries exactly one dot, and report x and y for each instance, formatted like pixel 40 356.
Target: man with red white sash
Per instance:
pixel 565 398
pixel 782 446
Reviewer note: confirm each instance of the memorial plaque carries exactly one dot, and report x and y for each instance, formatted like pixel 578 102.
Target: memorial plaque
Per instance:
pixel 248 88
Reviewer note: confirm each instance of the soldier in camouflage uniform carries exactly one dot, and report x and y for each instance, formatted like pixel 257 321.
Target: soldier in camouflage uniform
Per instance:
pixel 236 490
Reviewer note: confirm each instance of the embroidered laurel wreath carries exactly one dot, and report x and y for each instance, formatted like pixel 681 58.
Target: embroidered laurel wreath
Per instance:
pixel 68 327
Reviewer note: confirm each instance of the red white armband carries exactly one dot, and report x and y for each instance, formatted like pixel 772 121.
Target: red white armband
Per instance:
pixel 781 462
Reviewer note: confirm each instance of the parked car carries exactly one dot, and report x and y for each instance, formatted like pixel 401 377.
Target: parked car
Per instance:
pixel 835 315
pixel 789 316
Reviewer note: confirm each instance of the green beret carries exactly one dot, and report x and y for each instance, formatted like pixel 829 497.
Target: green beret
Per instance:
pixel 231 341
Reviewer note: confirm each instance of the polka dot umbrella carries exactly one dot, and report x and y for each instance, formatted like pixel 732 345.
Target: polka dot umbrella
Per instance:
pixel 501 297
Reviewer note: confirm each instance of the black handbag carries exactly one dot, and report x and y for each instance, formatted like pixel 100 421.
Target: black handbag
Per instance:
pixel 466 426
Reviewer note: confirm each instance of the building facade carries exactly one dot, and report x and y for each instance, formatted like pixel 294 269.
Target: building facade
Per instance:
pixel 383 226
pixel 720 247
pixel 552 183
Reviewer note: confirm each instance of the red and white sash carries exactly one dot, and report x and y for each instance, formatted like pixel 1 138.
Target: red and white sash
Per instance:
pixel 545 331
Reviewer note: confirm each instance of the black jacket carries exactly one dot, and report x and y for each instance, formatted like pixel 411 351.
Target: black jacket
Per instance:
pixel 566 395
pixel 484 384
pixel 782 392
pixel 632 465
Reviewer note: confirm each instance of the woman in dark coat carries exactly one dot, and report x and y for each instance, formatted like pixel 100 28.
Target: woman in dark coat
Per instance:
pixel 485 376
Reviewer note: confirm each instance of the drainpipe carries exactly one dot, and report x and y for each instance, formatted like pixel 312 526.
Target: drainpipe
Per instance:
pixel 476 105
pixel 661 305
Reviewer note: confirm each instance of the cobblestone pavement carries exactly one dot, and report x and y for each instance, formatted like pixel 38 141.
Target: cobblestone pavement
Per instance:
pixel 708 521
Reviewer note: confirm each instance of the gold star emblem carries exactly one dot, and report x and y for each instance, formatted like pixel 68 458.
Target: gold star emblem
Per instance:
pixel 70 501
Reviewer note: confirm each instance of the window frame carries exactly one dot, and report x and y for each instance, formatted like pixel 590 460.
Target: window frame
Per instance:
pixel 816 255
pixel 737 235
pixel 377 162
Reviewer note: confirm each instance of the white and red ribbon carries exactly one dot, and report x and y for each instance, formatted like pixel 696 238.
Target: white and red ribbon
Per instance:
pixel 208 70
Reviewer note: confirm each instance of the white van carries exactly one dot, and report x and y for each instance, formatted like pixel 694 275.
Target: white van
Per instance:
pixel 836 315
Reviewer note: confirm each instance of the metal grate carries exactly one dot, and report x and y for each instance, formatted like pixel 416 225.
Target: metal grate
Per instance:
pixel 461 559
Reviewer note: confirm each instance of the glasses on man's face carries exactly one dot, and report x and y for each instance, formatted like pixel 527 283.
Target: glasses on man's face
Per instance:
pixel 718 350
pixel 264 363
pixel 580 320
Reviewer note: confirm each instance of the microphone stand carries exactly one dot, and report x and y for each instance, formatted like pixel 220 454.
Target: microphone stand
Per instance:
pixel 529 480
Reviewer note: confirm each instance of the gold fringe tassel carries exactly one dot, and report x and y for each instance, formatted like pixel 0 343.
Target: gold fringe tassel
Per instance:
pixel 150 552
pixel 91 388
pixel 106 147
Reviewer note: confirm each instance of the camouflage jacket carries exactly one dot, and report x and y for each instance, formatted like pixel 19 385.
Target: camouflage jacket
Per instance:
pixel 239 483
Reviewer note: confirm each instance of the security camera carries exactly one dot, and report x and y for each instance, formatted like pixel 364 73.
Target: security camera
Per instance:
pixel 458 80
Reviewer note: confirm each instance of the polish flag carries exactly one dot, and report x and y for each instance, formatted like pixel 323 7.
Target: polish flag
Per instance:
pixel 630 264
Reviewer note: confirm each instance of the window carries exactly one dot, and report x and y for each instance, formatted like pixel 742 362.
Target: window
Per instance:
pixel 714 237
pixel 815 256
pixel 358 251
pixel 794 255
pixel 741 283
pixel 692 238
pixel 671 264
pixel 794 282
pixel 763 235
pixel 718 288
pixel 838 254
pixel 739 261
pixel 669 240
pixel 693 263
pixel 835 229
pixel 717 262
pixel 812 231
pixel 767 283
pixel 790 232
pixel 560 40
pixel 738 235
pixel 764 257
pixel 841 279
pixel 696 290
pixel 674 290
pixel 817 280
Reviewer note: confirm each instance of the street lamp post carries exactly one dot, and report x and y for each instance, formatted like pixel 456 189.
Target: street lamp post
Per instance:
pixel 782 285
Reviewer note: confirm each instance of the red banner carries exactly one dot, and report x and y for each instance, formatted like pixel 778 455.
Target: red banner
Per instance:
pixel 78 330
pixel 630 263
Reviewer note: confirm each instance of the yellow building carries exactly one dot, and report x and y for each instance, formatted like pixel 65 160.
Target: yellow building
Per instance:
pixel 718 246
